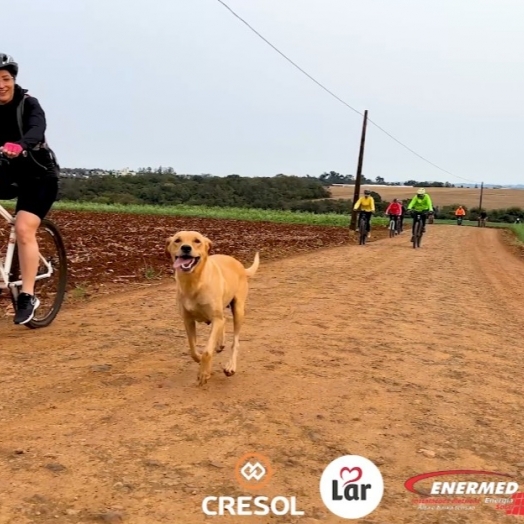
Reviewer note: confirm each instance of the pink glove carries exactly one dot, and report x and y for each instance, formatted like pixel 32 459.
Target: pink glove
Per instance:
pixel 12 150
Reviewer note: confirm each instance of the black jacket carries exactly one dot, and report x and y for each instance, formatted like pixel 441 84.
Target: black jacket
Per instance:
pixel 41 160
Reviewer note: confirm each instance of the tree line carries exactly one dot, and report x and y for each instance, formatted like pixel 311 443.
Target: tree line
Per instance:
pixel 333 177
pixel 327 178
pixel 279 192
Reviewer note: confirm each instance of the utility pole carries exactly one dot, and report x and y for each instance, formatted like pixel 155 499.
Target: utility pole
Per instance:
pixel 480 203
pixel 481 191
pixel 356 194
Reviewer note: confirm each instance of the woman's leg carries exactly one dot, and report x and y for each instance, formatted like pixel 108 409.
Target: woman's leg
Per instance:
pixel 34 202
pixel 26 226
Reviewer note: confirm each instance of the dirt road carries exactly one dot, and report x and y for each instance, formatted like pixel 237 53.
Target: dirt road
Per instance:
pixel 379 351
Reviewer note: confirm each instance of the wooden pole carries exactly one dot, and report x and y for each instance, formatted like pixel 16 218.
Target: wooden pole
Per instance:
pixel 481 192
pixel 356 194
pixel 480 203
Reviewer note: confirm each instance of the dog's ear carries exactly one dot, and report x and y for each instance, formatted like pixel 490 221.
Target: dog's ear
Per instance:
pixel 208 244
pixel 169 241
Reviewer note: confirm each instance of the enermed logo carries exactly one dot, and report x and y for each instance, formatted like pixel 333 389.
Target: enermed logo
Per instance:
pixel 466 490
pixel 351 487
pixel 253 472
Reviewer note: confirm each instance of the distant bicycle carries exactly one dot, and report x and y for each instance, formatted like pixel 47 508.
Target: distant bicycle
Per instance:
pixel 362 229
pixel 394 225
pixel 418 230
pixel 459 221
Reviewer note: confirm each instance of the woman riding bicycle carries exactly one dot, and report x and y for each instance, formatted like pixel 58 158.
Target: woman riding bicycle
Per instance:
pixel 31 176
pixel 394 212
pixel 367 208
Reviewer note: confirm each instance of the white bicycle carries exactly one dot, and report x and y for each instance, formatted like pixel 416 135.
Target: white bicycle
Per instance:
pixel 51 279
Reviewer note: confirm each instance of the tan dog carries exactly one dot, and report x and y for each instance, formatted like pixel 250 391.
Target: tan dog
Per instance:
pixel 206 285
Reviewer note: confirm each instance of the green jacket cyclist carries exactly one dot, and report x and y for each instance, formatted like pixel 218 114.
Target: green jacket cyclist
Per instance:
pixel 421 203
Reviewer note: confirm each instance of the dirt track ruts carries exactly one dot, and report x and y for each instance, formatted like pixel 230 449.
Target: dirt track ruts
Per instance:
pixel 379 350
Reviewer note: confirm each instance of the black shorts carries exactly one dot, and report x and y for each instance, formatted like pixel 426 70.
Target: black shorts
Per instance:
pixel 35 196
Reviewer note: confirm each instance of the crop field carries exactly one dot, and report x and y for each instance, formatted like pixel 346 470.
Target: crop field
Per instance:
pixel 442 196
pixel 411 358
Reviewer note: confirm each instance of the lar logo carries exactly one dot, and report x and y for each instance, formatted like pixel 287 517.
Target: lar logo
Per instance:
pixel 351 487
pixel 253 472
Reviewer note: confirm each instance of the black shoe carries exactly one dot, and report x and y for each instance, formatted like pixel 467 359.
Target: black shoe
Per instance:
pixel 25 308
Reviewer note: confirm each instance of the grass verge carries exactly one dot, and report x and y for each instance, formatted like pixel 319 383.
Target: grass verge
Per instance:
pixel 231 213
pixel 518 229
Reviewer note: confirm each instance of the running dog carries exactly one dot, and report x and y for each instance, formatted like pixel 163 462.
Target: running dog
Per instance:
pixel 206 285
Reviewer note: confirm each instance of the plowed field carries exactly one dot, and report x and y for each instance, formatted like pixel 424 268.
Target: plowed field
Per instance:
pixel 116 248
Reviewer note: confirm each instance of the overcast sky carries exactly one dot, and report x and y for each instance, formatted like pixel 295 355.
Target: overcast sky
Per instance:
pixel 182 83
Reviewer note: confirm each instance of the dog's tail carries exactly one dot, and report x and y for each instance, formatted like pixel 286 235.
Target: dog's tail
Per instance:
pixel 250 271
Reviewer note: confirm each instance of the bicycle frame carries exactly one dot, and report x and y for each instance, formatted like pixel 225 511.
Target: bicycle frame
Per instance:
pixel 395 219
pixel 5 265
pixel 418 217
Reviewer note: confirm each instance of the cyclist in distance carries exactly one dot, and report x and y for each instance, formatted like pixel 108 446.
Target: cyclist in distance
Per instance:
pixel 460 212
pixel 394 211
pixel 483 216
pixel 367 208
pixel 31 176
pixel 421 203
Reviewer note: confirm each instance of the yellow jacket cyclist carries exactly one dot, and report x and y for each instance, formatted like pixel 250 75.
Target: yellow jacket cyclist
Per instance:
pixel 367 208
pixel 421 203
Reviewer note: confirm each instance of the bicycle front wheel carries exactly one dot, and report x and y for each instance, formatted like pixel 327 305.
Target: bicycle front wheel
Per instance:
pixel 362 231
pixel 50 286
pixel 417 233
pixel 392 230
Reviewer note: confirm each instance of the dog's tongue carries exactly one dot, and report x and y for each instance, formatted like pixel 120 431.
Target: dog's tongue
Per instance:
pixel 179 262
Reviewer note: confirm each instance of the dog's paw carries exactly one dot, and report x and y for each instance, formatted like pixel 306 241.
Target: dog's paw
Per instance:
pixel 229 370
pixel 203 378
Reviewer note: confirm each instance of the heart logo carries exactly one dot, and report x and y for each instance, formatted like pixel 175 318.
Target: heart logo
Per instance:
pixel 357 474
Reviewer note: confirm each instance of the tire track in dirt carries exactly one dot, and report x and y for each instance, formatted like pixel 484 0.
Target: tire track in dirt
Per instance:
pixel 378 350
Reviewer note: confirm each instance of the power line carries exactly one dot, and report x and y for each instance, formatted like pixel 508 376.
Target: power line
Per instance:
pixel 415 153
pixel 337 97
pixel 289 60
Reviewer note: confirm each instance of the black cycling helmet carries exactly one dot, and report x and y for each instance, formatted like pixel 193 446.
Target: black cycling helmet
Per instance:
pixel 367 192
pixel 7 62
